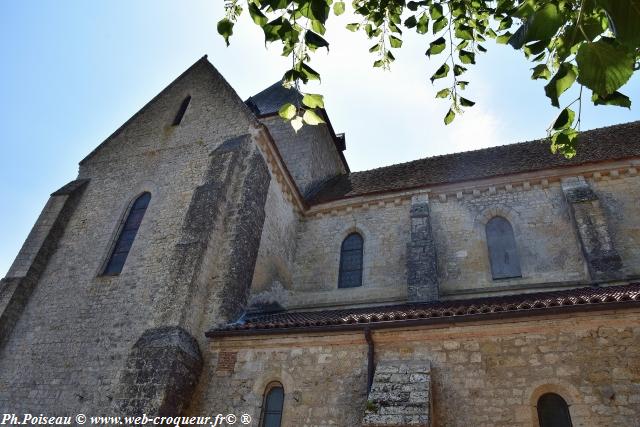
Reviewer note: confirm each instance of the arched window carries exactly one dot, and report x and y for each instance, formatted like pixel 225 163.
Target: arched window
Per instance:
pixel 272 405
pixel 503 254
pixel 553 411
pixel 351 262
pixel 127 235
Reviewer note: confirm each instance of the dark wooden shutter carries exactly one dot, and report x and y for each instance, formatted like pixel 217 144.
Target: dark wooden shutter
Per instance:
pixel 273 403
pixel 503 254
pixel 351 262
pixel 553 411
pixel 127 235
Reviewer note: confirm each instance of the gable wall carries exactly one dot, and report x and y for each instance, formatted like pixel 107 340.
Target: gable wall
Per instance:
pixel 69 344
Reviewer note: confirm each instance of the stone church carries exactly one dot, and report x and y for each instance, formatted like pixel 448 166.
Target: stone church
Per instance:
pixel 209 260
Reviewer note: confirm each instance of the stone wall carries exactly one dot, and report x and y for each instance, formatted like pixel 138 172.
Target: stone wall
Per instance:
pixel 620 199
pixel 385 229
pixel 71 341
pixel 548 246
pixel 546 240
pixel 310 154
pixel 482 374
pixel 277 243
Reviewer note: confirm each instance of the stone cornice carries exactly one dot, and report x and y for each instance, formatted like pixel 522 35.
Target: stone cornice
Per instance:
pixel 478 188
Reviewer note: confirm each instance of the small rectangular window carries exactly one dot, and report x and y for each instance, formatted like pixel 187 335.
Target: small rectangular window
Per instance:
pixel 181 111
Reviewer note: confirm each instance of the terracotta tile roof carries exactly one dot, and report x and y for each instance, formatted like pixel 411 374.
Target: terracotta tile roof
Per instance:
pixel 588 298
pixel 609 143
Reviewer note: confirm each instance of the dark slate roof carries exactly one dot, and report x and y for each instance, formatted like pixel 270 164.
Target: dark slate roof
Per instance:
pixel 405 315
pixel 272 98
pixel 269 101
pixel 608 143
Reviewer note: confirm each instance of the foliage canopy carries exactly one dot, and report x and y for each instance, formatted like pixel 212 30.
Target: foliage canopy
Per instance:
pixel 591 43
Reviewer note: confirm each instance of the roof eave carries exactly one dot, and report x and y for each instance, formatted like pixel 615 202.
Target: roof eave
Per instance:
pixel 394 324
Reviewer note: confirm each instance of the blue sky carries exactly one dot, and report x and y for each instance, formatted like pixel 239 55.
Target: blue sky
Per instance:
pixel 74 71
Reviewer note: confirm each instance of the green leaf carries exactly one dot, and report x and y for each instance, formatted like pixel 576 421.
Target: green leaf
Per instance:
pixel 315 9
pixel 395 42
pixel 436 11
pixel 441 72
pixel 449 117
pixel 315 41
pixel 604 66
pixel 564 119
pixel 503 38
pixel 423 24
pixel 379 63
pixel 338 8
pixel 467 57
pixel 353 27
pixel 462 84
pixel 544 23
pixel 458 70
pixel 564 142
pixel 481 48
pixel 225 29
pixel 444 93
pixel 464 32
pixel 541 71
pixel 439 24
pixel 376 47
pixel 535 48
pixel 505 23
pixel 436 46
pixel 526 9
pixel 257 16
pixel 466 103
pixel 624 20
pixel 291 76
pixel 308 73
pixel 313 100
pixel 287 111
pixel 560 82
pixel 411 22
pixel 616 98
pixel 297 123
pixel 311 118
pixel 318 27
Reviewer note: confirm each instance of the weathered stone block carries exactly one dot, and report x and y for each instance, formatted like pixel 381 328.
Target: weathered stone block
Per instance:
pixel 402 400
pixel 161 373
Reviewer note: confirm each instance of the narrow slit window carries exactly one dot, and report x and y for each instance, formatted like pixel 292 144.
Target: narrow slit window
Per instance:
pixel 127 235
pixel 181 111
pixel 503 254
pixel 273 402
pixel 350 275
pixel 553 411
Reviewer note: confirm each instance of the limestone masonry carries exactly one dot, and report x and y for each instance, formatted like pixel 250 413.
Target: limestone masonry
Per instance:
pixel 209 260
